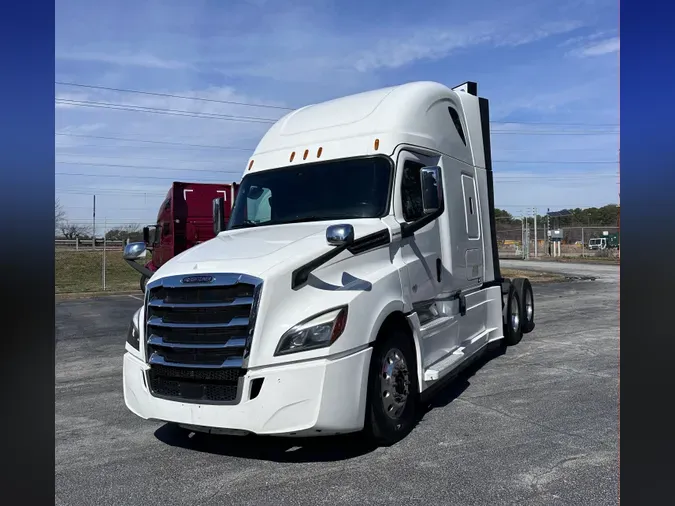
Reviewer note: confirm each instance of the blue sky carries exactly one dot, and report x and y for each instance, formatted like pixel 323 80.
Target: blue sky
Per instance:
pixel 550 67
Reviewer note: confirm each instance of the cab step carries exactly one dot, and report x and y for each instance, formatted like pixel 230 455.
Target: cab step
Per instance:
pixel 442 367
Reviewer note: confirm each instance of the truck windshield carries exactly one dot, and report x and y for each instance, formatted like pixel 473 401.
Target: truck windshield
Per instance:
pixel 334 190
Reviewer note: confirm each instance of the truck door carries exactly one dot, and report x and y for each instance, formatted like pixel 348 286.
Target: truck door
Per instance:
pixel 422 257
pixel 473 247
pixel 462 243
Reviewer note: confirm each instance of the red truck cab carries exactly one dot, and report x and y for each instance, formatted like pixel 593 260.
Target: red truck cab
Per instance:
pixel 185 219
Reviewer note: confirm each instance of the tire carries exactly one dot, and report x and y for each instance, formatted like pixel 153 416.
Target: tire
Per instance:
pixel 392 404
pixel 143 283
pixel 513 328
pixel 526 296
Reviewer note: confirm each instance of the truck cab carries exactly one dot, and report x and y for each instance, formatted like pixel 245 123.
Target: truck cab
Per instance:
pixel 184 220
pixel 358 270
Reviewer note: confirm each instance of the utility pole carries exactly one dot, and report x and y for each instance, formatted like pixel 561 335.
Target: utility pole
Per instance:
pixel 526 248
pixel 93 226
pixel 522 235
pixel 535 233
pixel 105 226
pixel 548 231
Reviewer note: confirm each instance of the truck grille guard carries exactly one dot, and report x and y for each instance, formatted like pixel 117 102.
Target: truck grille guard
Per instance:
pixel 198 333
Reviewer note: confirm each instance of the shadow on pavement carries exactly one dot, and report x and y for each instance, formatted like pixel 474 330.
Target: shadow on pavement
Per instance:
pixel 318 449
pixel 275 449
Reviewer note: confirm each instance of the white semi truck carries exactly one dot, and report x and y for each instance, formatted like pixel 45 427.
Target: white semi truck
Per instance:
pixel 359 269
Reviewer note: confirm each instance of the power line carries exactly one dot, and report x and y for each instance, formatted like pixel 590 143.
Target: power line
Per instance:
pixel 268 106
pixel 553 149
pixel 611 125
pixel 255 119
pixel 137 158
pixel 145 167
pixel 170 143
pixel 117 176
pixel 109 192
pixel 552 132
pixel 168 112
pixel 130 147
pixel 154 208
pixel 171 95
pixel 571 162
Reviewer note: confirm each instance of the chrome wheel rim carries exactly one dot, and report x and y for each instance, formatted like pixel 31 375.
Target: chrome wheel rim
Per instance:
pixel 394 383
pixel 515 315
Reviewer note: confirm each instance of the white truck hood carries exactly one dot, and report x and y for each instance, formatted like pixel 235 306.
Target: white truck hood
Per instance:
pixel 256 250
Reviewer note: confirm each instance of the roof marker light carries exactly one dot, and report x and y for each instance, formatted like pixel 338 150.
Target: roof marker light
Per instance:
pixel 304 157
pixel 318 152
pixel 250 165
pixel 292 156
pixel 377 144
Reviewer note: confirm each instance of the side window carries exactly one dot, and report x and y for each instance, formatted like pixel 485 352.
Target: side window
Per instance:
pixel 458 124
pixel 167 204
pixel 411 191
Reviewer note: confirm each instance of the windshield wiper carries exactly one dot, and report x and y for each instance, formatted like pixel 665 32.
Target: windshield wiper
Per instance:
pixel 245 224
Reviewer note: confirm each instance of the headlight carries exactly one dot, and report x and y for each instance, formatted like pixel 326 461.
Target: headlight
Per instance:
pixel 319 331
pixel 133 335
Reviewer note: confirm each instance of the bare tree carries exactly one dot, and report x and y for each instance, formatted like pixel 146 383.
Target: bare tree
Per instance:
pixel 131 231
pixel 74 231
pixel 59 214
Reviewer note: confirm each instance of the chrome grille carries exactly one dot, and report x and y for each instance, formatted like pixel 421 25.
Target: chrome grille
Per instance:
pixel 198 335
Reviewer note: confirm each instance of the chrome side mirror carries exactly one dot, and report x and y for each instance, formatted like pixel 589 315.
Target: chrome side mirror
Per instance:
pixel 134 250
pixel 340 235
pixel 432 189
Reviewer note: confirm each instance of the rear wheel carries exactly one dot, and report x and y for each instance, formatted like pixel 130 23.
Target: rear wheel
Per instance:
pixel 393 391
pixel 526 296
pixel 513 329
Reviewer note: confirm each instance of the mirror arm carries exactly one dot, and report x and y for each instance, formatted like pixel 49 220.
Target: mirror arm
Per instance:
pixel 300 275
pixel 140 268
pixel 409 229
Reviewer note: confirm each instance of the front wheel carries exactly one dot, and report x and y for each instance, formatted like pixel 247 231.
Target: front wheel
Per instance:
pixel 393 390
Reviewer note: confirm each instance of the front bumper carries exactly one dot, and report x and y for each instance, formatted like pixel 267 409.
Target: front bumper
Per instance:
pixel 317 397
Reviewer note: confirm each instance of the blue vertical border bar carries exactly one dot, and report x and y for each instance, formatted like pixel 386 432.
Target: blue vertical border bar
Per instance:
pixel 27 258
pixel 647 346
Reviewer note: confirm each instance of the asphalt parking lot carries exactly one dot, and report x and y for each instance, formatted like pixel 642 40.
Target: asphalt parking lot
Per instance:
pixel 536 425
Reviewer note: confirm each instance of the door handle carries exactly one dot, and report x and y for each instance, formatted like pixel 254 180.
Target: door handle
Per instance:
pixel 439 269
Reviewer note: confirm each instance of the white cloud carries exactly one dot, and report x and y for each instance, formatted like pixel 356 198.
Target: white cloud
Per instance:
pixel 604 47
pixel 139 59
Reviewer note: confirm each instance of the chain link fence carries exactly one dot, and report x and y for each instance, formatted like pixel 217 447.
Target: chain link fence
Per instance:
pixel 523 243
pixel 84 265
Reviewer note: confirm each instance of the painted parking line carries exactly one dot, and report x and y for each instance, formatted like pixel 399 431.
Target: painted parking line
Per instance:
pixel 135 297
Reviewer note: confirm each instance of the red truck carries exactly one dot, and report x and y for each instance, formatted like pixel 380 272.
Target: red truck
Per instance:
pixel 185 219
